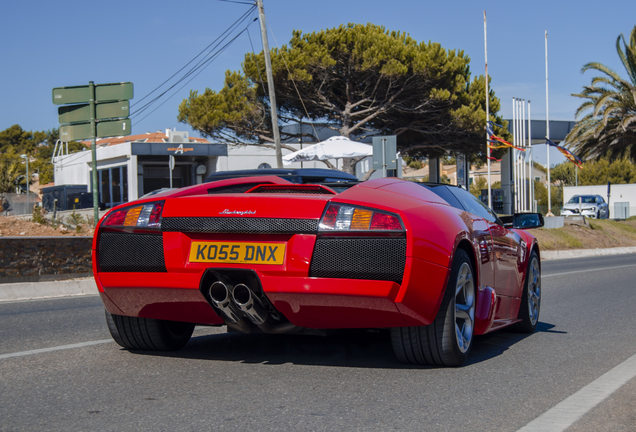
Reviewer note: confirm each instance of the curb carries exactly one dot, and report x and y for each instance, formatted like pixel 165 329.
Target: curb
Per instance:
pixel 42 290
pixel 581 253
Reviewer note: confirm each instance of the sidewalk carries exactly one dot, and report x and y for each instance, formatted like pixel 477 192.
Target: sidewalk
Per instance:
pixel 43 290
pixel 86 286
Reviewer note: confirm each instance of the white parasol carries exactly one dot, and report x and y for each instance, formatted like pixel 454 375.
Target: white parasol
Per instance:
pixel 336 147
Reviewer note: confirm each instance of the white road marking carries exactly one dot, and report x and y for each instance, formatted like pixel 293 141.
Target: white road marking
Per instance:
pixel 57 348
pixel 588 270
pixel 567 412
pixel 3 302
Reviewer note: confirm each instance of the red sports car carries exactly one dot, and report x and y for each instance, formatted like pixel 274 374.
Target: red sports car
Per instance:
pixel 429 262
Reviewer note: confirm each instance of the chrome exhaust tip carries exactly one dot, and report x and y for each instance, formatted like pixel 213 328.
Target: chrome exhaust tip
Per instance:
pixel 220 295
pixel 249 304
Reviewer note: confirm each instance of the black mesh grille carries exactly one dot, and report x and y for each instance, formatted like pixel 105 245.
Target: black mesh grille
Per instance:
pixel 374 259
pixel 239 225
pixel 292 190
pixel 124 252
pixel 239 188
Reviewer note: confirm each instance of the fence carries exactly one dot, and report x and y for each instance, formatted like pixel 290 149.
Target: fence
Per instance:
pixel 13 204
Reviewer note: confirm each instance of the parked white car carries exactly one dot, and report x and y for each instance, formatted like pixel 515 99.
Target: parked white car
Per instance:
pixel 592 206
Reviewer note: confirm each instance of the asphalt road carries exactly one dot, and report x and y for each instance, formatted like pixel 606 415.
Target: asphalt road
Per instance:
pixel 349 381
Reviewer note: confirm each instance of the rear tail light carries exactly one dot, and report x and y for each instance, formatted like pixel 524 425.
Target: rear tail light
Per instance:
pixel 340 217
pixel 142 216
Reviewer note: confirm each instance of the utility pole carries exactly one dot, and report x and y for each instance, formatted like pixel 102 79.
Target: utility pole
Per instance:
pixel 93 118
pixel 487 113
pixel 547 127
pixel 270 84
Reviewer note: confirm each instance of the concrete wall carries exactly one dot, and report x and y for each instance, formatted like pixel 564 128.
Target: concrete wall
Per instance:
pixel 32 259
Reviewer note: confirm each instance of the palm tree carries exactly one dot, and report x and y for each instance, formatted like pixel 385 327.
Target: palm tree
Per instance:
pixel 10 173
pixel 609 127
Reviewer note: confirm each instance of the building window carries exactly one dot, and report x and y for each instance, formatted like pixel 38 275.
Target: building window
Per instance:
pixel 113 186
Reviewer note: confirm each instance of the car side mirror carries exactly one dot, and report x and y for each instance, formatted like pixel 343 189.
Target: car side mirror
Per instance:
pixel 523 220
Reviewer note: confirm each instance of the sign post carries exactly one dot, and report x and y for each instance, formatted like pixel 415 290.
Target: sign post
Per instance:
pixel 94 111
pixel 385 154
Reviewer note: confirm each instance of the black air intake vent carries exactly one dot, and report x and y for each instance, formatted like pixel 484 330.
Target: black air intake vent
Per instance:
pixel 374 259
pixel 239 225
pixel 238 188
pixel 293 189
pixel 124 252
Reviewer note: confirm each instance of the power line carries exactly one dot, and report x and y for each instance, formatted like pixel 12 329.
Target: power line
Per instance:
pixel 201 67
pixel 222 37
pixel 237 2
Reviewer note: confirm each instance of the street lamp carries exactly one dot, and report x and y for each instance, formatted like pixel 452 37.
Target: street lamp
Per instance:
pixel 25 157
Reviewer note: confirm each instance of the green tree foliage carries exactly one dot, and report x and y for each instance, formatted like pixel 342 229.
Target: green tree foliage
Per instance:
pixel 479 184
pixel 599 172
pixel 564 174
pixel 39 146
pixel 541 195
pixel 11 175
pixel 355 79
pixel 412 162
pixel 609 127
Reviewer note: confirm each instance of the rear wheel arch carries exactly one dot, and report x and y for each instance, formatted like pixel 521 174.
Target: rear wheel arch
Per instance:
pixel 467 247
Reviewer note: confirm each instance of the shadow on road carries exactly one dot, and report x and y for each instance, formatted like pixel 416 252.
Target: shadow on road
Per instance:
pixel 350 348
pixel 493 344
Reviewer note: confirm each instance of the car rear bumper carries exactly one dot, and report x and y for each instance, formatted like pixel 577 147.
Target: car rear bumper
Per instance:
pixel 311 302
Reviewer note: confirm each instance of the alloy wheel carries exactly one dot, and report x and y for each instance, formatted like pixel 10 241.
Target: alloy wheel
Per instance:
pixel 464 307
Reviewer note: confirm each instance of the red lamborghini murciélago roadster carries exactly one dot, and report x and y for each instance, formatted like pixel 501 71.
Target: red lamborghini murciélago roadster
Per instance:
pixel 263 254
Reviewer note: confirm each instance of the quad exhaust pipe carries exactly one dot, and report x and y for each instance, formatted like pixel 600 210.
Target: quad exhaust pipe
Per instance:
pixel 241 301
pixel 220 295
pixel 249 304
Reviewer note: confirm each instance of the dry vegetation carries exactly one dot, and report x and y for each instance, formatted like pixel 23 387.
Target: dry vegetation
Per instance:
pixel 597 234
pixel 16 227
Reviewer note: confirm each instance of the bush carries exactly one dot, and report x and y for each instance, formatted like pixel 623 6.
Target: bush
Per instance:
pixel 76 219
pixel 38 215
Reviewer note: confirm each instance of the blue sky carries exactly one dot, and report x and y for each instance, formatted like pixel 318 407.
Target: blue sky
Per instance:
pixel 63 43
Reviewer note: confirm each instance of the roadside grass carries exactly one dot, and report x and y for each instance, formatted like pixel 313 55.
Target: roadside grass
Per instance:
pixel 557 239
pixel 627 227
pixel 598 234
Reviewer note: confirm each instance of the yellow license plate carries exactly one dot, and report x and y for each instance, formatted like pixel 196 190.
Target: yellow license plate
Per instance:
pixel 239 253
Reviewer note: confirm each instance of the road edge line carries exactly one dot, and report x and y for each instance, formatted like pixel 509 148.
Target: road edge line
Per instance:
pixel 51 349
pixel 570 410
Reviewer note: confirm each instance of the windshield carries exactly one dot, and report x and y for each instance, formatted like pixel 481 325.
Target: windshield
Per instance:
pixel 585 199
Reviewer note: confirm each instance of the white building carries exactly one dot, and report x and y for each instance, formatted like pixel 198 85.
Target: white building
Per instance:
pixel 131 166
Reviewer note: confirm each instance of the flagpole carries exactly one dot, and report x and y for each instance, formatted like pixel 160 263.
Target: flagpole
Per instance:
pixel 514 155
pixel 524 165
pixel 531 183
pixel 547 127
pixel 487 111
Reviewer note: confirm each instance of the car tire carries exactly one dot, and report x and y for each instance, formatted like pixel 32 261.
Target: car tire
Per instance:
pixel 531 298
pixel 448 339
pixel 148 334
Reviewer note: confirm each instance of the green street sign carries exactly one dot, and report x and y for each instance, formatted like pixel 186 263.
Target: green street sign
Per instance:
pixel 75 132
pixel 105 129
pixel 103 93
pixel 82 113
pixel 113 128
